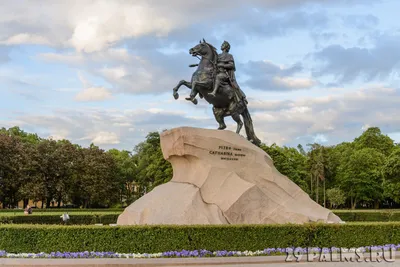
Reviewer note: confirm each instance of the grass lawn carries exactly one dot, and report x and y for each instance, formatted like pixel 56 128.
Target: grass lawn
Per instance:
pixel 366 210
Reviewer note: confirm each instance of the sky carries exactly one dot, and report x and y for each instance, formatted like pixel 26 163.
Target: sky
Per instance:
pixel 102 72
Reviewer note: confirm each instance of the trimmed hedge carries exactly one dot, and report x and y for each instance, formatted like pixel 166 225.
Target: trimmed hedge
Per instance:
pixel 82 219
pixel 107 216
pixel 369 216
pixel 152 239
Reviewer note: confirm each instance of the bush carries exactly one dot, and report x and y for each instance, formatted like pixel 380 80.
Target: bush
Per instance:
pixel 152 239
pixel 108 216
pixel 83 219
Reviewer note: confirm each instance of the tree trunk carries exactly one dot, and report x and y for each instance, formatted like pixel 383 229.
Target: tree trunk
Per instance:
pixel 59 202
pixel 42 203
pixel 353 204
pixel 48 200
pixel 316 190
pixel 376 204
pixel 324 195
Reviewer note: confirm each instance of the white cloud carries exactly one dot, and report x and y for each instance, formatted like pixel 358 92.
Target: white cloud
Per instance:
pixel 70 58
pixel 95 25
pixel 293 83
pixel 113 74
pixel 127 72
pixel 26 38
pixel 121 129
pixel 331 119
pixel 105 22
pixel 59 134
pixel 93 94
pixel 105 138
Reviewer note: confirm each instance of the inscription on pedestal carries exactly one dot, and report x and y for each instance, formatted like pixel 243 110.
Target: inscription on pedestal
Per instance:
pixel 228 153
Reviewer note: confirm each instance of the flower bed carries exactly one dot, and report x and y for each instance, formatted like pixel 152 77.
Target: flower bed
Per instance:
pixel 189 253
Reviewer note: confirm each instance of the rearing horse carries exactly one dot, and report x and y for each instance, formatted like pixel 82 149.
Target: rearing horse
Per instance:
pixel 224 102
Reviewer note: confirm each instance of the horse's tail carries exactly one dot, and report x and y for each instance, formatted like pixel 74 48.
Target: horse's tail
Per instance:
pixel 248 125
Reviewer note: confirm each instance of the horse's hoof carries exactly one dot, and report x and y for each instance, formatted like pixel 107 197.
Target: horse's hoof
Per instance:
pixel 222 127
pixel 176 95
pixel 195 101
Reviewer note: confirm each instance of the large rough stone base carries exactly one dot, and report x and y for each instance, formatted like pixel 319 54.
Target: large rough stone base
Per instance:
pixel 221 178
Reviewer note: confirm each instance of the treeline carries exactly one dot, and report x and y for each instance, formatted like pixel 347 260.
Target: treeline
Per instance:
pixel 364 173
pixel 53 171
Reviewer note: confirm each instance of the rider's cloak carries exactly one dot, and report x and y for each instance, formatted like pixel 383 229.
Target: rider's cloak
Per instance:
pixel 226 58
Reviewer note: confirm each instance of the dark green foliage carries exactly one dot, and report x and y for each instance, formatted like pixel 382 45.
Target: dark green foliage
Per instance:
pixel 290 162
pixel 58 172
pixel 152 239
pixel 14 162
pixel 152 168
pixel 81 219
pixel 392 166
pixel 126 174
pixel 374 139
pixel 336 197
pixel 355 235
pixel 361 176
pixel 109 216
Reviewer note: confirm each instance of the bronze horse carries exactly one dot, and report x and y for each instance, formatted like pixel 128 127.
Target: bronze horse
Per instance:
pixel 225 102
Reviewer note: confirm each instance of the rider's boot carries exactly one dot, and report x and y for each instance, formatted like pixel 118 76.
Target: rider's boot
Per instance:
pixel 213 93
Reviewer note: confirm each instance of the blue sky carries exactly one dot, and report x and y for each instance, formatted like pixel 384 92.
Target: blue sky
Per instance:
pixel 103 71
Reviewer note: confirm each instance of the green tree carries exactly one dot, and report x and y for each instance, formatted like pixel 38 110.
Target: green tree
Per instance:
pixel 361 176
pixel 391 173
pixel 373 138
pixel 25 137
pixel 126 174
pixel 318 164
pixel 392 166
pixel 13 164
pixel 290 162
pixel 336 197
pixel 152 168
pixel 97 183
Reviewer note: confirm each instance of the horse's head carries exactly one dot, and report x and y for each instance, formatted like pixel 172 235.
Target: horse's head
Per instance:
pixel 202 49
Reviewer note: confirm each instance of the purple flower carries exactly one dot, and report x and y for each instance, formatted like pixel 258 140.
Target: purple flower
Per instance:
pixel 188 253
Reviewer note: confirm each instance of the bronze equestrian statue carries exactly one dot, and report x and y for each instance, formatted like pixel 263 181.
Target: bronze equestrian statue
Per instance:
pixel 214 80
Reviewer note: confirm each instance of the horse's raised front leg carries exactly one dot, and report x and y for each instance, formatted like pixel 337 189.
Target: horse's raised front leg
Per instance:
pixel 236 117
pixel 182 82
pixel 193 94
